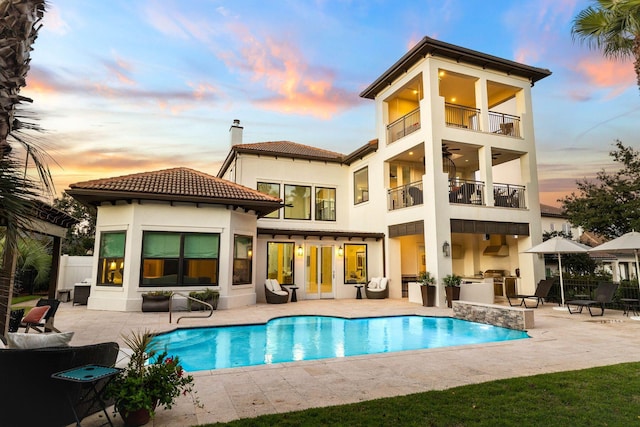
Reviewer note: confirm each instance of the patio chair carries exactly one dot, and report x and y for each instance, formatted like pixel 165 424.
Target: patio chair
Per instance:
pixel 46 321
pixel 377 288
pixel 274 293
pixel 34 318
pixel 542 290
pixel 603 295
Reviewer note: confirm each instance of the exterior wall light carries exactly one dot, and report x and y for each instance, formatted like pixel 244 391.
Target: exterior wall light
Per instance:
pixel 340 251
pixel 300 251
pixel 446 249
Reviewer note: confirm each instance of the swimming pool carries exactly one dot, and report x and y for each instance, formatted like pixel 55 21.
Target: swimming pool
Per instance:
pixel 295 338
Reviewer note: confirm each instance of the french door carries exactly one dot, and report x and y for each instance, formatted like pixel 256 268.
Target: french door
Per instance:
pixel 319 272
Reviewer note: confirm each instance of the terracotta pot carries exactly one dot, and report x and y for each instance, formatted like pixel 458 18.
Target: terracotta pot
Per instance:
pixel 136 418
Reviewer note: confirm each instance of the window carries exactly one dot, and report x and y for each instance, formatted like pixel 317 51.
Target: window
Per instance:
pixel 176 259
pixel 355 263
pixel 280 262
pixel 297 199
pixel 271 189
pixel 111 258
pixel 361 186
pixel 325 204
pixel 242 255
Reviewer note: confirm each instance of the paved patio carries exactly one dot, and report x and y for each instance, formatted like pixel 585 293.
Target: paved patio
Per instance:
pixel 560 342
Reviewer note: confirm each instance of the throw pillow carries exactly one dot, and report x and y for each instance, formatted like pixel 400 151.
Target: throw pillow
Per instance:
pixel 29 341
pixel 36 314
pixel 383 283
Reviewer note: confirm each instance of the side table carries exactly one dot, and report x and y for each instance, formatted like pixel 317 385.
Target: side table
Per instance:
pixel 294 296
pixel 64 295
pixel 629 305
pixel 359 291
pixel 88 375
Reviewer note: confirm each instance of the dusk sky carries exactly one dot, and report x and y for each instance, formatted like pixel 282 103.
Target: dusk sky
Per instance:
pixel 124 86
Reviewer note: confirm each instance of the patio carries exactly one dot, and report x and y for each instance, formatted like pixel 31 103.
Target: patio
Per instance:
pixel 568 342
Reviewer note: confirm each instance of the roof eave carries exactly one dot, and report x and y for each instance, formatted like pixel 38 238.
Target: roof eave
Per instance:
pixel 428 46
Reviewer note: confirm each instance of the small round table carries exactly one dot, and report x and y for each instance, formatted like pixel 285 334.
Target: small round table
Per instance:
pixel 359 291
pixel 294 296
pixel 630 304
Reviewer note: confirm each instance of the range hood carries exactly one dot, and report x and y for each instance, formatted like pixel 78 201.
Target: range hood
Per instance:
pixel 497 246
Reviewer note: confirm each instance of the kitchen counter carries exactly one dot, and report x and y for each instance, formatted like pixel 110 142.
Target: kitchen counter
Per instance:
pixel 476 289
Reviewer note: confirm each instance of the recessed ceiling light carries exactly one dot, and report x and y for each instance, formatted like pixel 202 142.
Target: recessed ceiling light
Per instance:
pixel 411 153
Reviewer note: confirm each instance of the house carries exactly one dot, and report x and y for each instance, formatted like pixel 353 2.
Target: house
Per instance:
pixel 449 185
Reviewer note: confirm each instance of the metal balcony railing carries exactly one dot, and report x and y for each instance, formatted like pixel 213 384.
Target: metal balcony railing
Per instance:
pixel 458 116
pixel 504 124
pixel 466 192
pixel 405 196
pixel 508 196
pixel 405 125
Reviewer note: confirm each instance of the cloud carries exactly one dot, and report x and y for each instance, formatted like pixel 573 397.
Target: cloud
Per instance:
pixel 54 22
pixel 121 69
pixel 603 73
pixel 294 86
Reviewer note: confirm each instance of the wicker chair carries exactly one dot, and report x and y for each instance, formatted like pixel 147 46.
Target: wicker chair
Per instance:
pixel 377 288
pixel 274 293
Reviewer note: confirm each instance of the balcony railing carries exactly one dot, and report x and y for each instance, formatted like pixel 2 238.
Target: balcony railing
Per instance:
pixel 504 124
pixel 466 192
pixel 405 125
pixel 508 196
pixel 404 196
pixel 458 116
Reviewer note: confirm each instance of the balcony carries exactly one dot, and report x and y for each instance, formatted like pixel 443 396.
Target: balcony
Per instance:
pixel 466 192
pixel 508 196
pixel 459 116
pixel 404 126
pixel 405 196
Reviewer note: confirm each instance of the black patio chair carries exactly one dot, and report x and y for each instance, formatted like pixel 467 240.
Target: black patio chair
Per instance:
pixel 542 290
pixel 603 295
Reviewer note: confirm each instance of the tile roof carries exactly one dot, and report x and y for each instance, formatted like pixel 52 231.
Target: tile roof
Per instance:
pixel 179 181
pixel 291 149
pixel 548 210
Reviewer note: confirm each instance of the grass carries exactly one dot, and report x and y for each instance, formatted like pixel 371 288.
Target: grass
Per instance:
pixel 24 298
pixel 604 396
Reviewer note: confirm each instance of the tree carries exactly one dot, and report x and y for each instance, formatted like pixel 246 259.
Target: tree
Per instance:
pixel 610 204
pixel 612 26
pixel 579 264
pixel 19 21
pixel 80 237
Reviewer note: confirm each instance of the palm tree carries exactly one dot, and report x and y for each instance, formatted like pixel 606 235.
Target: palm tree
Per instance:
pixel 612 26
pixel 19 20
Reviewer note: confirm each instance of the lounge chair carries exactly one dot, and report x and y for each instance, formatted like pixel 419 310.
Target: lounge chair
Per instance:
pixel 15 318
pixel 46 321
pixel 377 288
pixel 603 295
pixel 274 293
pixel 542 290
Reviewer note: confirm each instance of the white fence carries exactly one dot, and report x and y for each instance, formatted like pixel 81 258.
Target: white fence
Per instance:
pixel 74 269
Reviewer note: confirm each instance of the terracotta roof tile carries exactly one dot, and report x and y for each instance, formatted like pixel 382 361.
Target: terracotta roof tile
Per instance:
pixel 288 148
pixel 177 181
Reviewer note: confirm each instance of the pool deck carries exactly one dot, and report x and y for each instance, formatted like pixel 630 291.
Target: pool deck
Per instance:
pixel 560 342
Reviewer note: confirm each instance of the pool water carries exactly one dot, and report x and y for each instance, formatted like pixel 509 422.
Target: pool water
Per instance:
pixel 289 339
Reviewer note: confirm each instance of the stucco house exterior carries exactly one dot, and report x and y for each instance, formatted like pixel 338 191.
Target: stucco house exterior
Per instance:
pixel 449 185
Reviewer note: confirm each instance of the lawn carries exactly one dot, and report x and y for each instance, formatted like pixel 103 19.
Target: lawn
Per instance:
pixel 605 396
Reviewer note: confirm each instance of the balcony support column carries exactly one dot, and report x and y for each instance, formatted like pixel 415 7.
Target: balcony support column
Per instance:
pixel 486 173
pixel 482 103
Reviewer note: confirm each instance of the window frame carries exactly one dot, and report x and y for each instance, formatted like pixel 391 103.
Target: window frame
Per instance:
pixel 180 261
pixel 247 278
pixel 275 214
pixel 115 263
pixel 335 201
pixel 292 262
pixel 365 190
pixel 361 262
pixel 287 209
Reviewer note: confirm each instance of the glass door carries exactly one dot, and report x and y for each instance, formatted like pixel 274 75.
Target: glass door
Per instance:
pixel 319 273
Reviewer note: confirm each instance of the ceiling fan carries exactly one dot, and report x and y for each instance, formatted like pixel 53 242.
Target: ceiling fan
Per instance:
pixel 447 152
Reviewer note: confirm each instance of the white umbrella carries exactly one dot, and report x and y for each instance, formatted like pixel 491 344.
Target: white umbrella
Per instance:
pixel 559 245
pixel 629 242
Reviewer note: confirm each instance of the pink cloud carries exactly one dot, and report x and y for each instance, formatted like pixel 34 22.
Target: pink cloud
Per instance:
pixel 607 74
pixel 282 68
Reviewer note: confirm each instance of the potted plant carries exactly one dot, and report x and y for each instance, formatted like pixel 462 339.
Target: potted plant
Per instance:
pixel 209 296
pixel 150 380
pixel 156 301
pixel 452 287
pixel 428 288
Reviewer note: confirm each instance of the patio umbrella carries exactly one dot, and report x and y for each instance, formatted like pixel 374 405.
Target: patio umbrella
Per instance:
pixel 629 242
pixel 559 245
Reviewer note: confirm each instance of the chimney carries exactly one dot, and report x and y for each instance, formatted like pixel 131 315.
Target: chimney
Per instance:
pixel 235 132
